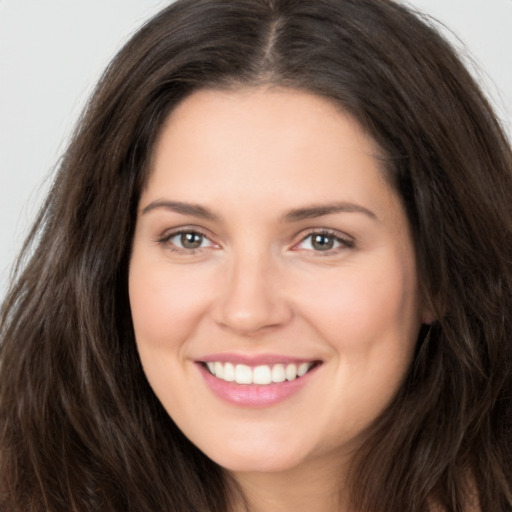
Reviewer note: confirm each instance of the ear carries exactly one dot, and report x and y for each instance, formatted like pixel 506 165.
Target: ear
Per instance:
pixel 427 312
pixel 427 317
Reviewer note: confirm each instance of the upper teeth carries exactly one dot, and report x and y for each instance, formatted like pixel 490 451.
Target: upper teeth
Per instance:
pixel 263 374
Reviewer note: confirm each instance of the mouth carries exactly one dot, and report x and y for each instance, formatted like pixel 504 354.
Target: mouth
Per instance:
pixel 256 381
pixel 261 375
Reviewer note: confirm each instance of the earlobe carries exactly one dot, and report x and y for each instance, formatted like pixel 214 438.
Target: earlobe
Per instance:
pixel 428 308
pixel 427 317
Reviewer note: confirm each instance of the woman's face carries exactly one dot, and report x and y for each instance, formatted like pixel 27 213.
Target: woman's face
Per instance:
pixel 268 244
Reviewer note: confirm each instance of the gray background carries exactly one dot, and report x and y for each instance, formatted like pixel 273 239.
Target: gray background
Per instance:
pixel 53 51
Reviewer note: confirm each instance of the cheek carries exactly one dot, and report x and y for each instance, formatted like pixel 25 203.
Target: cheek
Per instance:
pixel 166 305
pixel 371 321
pixel 363 303
pixel 158 316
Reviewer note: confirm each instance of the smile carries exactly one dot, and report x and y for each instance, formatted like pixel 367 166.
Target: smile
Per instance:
pixel 255 383
pixel 261 375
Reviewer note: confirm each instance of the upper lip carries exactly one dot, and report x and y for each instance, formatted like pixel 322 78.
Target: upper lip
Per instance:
pixel 254 359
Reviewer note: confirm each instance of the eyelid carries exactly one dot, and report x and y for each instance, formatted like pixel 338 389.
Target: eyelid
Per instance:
pixel 166 236
pixel 346 241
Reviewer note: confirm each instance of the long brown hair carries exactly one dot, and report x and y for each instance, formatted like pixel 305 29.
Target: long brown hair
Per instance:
pixel 80 428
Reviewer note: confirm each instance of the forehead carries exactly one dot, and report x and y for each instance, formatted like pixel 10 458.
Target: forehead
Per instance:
pixel 260 112
pixel 269 144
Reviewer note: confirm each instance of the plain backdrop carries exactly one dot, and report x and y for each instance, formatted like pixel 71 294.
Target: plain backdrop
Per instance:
pixel 53 51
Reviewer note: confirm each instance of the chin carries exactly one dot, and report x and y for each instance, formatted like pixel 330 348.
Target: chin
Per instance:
pixel 257 464
pixel 255 458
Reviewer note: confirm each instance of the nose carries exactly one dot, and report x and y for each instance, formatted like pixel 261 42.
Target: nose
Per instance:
pixel 252 299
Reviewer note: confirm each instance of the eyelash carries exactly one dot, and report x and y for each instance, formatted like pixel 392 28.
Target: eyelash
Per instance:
pixel 165 240
pixel 344 242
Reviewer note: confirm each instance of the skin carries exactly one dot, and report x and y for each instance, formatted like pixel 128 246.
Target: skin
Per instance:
pixel 257 285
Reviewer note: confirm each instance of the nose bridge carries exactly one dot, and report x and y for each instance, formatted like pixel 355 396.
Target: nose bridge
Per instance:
pixel 250 299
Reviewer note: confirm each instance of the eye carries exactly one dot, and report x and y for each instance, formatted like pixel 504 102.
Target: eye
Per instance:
pixel 186 240
pixel 323 241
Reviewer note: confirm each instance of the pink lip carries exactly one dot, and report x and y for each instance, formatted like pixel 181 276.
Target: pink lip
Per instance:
pixel 253 395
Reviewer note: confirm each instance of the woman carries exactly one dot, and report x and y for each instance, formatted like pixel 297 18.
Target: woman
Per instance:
pixel 273 273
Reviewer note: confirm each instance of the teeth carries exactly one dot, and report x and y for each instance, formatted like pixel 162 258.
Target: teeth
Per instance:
pixel 243 374
pixel 229 372
pixel 219 370
pixel 278 374
pixel 291 372
pixel 302 369
pixel 261 375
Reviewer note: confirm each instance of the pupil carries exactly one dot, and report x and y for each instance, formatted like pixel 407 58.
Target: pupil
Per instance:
pixel 323 242
pixel 191 240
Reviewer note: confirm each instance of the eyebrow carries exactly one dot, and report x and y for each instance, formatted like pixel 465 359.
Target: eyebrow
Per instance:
pixel 194 210
pixel 295 215
pixel 313 211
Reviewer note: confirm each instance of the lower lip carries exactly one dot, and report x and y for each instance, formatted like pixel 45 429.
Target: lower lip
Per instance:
pixel 253 395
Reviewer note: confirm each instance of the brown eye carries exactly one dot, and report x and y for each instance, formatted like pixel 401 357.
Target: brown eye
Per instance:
pixel 321 242
pixel 329 243
pixel 186 242
pixel 191 240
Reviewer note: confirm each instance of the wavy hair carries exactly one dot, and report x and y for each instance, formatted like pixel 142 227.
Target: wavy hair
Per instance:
pixel 80 428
